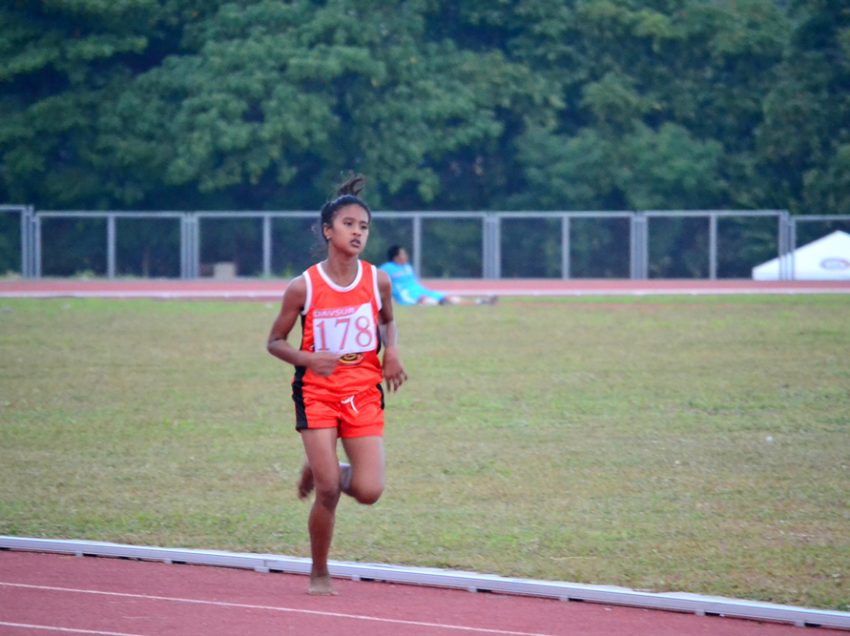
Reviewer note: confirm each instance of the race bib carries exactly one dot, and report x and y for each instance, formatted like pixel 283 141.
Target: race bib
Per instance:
pixel 344 330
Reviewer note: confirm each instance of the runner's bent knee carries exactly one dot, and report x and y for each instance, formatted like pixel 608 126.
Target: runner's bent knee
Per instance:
pixel 328 492
pixel 368 495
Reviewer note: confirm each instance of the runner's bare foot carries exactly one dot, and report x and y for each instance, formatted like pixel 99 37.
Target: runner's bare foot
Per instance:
pixel 305 484
pixel 321 586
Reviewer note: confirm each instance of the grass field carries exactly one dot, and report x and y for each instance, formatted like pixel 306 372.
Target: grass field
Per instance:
pixel 699 444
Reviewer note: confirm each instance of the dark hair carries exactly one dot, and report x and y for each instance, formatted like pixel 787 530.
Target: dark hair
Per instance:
pixel 393 252
pixel 346 194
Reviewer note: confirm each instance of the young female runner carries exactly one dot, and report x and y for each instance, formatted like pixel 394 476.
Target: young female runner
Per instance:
pixel 346 312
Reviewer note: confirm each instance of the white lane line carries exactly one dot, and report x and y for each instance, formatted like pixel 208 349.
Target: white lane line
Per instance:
pixel 64 630
pixel 271 608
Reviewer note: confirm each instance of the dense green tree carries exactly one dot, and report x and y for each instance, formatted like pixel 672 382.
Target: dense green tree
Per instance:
pixel 480 105
pixel 663 110
pixel 504 104
pixel 274 100
pixel 804 138
pixel 60 62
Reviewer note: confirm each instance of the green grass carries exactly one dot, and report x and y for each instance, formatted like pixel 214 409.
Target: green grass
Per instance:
pixel 672 443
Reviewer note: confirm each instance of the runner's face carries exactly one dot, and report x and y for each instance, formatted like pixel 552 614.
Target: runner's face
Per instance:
pixel 349 229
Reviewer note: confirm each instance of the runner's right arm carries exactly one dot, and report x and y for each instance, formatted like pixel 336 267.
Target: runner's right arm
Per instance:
pixel 293 303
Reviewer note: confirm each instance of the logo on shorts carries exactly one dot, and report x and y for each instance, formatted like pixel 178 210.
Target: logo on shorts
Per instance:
pixel 350 359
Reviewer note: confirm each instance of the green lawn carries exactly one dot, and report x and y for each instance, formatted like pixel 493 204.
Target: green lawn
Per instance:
pixel 699 444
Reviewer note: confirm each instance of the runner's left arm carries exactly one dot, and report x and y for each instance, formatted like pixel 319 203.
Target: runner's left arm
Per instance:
pixel 394 373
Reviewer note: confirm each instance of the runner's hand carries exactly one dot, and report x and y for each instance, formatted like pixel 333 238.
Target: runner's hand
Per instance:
pixel 394 373
pixel 323 363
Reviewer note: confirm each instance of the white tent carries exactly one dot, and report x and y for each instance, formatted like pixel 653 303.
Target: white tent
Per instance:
pixel 827 258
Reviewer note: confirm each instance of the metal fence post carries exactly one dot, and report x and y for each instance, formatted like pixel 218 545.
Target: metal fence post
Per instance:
pixel 34 271
pixel 183 250
pixel 25 253
pixel 712 246
pixel 110 246
pixel 36 239
pixel 196 246
pixel 639 239
pixel 417 242
pixel 792 244
pixel 565 246
pixel 267 245
pixel 496 256
pixel 784 255
pixel 491 246
pixel 189 246
pixel 485 247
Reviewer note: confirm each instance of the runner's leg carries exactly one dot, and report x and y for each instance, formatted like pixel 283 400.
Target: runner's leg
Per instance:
pixel 366 455
pixel 320 447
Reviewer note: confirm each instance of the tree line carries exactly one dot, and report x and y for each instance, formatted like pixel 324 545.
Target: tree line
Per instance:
pixel 479 105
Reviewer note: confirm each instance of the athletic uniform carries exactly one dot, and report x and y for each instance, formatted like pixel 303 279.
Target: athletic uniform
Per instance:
pixel 407 290
pixel 344 321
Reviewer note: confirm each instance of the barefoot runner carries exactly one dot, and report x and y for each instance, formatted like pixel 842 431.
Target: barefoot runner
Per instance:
pixel 345 307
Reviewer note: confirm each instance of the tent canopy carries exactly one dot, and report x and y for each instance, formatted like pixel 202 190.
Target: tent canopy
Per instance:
pixel 827 258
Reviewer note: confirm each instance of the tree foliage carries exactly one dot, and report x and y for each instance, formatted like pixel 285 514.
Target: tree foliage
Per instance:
pixel 481 105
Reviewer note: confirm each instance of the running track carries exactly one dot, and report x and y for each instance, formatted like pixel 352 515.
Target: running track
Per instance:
pixel 254 289
pixel 57 594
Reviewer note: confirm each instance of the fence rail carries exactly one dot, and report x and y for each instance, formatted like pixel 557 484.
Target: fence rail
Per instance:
pixel 633 239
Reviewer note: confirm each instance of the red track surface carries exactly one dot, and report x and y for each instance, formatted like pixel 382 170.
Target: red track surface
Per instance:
pixel 272 289
pixel 46 593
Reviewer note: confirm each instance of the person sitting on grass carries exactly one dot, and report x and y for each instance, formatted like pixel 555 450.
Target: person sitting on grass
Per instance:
pixel 408 290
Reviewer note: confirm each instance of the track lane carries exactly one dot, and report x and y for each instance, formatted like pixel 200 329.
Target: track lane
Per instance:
pixel 272 290
pixel 121 596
